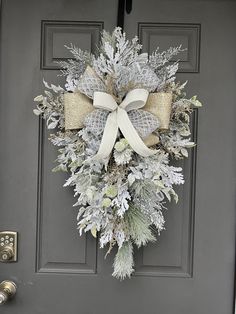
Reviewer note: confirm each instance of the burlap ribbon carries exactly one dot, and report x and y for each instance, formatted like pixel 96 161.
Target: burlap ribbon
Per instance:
pixel 159 104
pixel 78 106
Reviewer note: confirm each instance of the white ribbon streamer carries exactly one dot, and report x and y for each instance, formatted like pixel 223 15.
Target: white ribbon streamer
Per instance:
pixel 119 119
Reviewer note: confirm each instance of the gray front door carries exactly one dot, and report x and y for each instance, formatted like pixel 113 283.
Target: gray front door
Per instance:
pixel 191 267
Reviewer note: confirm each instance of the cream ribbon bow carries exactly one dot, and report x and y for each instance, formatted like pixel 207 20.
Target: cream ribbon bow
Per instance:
pixel 119 119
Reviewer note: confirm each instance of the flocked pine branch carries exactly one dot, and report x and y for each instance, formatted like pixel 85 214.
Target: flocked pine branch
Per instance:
pixel 124 262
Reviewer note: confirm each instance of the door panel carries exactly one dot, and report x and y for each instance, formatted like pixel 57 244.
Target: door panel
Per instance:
pixel 61 249
pixel 172 255
pixel 165 35
pixel 190 268
pixel 59 246
pixel 56 34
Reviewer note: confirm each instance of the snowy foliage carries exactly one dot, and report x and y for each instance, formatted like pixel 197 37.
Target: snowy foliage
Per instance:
pixel 73 68
pixel 111 195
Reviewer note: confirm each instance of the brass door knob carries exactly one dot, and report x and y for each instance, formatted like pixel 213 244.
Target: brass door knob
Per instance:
pixel 7 291
pixel 6 254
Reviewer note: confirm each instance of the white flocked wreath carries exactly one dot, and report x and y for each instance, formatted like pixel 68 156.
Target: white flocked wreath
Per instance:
pixel 116 149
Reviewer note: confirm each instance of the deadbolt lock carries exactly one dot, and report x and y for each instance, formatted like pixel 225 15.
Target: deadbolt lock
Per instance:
pixel 8 246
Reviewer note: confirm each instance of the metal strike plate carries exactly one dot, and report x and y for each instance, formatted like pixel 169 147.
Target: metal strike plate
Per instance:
pixel 8 246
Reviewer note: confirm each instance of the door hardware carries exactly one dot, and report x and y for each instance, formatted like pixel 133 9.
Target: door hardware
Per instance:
pixel 128 6
pixel 7 291
pixel 8 246
pixel 124 6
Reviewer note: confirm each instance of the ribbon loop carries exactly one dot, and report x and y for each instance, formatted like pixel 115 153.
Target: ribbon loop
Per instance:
pixel 104 101
pixel 135 99
pixel 119 119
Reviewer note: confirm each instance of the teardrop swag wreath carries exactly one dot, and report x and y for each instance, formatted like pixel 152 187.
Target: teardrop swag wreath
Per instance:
pixel 120 121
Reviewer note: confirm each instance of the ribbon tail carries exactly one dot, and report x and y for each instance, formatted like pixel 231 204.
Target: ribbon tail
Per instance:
pixel 109 137
pixel 131 134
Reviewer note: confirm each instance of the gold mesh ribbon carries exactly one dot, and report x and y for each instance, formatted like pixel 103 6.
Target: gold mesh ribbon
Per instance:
pixel 159 104
pixel 77 106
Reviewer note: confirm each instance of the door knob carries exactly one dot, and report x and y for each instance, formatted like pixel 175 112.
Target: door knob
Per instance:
pixel 7 291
